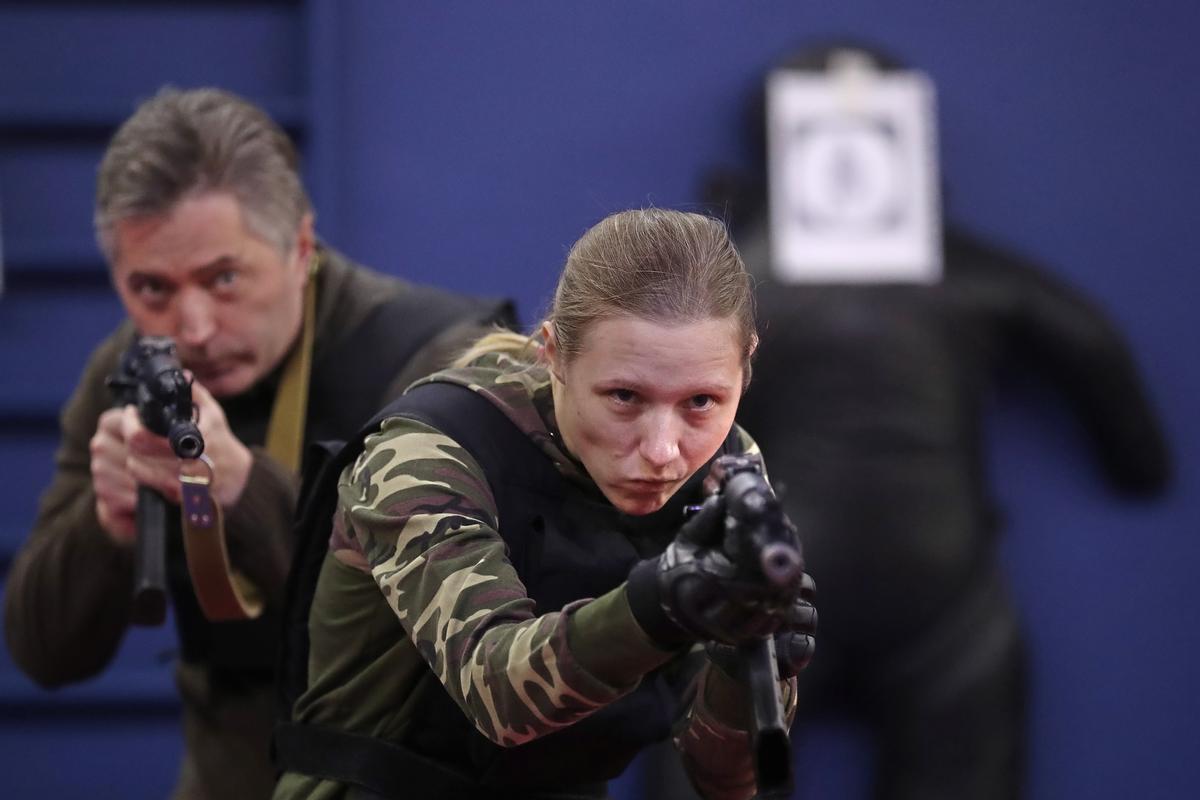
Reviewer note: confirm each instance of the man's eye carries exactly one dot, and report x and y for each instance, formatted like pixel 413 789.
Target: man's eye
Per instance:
pixel 623 396
pixel 150 290
pixel 701 402
pixel 225 278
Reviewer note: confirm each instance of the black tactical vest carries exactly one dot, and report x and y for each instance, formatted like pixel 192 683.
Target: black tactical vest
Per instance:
pixel 566 543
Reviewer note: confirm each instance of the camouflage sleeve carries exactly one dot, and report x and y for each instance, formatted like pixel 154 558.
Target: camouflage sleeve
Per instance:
pixel 417 513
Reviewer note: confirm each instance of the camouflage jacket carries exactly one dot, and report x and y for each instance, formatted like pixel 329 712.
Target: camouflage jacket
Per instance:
pixel 405 592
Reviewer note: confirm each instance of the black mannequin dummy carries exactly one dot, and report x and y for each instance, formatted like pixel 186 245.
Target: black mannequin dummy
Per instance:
pixel 867 401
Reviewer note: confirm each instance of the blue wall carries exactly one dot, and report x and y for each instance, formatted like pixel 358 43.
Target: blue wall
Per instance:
pixel 469 144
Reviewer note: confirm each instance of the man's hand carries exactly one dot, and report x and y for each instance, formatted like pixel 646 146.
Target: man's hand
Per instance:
pixel 124 454
pixel 231 459
pixel 115 488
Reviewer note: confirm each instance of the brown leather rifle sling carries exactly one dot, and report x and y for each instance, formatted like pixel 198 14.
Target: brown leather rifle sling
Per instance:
pixel 223 593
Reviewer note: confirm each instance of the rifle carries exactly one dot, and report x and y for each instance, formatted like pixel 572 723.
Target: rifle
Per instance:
pixel 150 377
pixel 764 548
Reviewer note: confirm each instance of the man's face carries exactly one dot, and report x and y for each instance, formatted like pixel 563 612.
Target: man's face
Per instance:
pixel 230 300
pixel 644 405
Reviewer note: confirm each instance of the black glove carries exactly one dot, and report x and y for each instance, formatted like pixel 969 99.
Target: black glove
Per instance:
pixel 693 592
pixel 795 641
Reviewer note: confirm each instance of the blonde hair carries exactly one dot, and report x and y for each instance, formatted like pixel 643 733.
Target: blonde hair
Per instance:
pixel 655 264
pixel 504 342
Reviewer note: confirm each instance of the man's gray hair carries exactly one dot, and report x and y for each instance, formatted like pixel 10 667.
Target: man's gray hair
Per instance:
pixel 181 143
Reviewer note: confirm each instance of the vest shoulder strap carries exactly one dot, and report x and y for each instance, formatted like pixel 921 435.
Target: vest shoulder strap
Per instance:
pixel 381 347
pixel 485 431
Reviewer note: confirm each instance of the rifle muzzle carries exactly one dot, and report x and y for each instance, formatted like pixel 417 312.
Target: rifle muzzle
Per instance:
pixel 185 439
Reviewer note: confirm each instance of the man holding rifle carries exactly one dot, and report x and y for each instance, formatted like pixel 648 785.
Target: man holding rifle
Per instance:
pixel 209 234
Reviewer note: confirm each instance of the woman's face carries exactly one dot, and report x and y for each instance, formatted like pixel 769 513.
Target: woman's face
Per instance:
pixel 646 404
